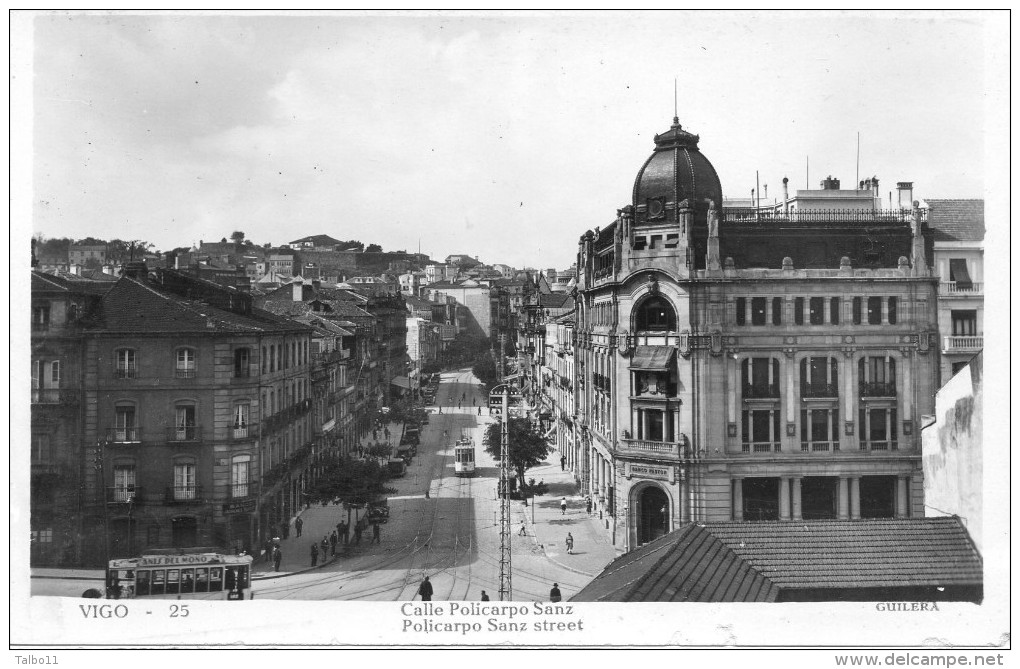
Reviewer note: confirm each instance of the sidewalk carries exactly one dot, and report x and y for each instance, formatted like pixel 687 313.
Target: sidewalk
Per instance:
pixel 318 521
pixel 593 547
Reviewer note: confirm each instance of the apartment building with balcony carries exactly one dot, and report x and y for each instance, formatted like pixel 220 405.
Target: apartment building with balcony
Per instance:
pixel 197 422
pixel 749 363
pixel 958 228
pixel 61 306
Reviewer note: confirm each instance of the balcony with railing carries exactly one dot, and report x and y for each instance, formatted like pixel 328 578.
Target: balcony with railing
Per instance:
pixel 879 446
pixel 184 433
pixel 819 446
pixel 129 372
pixel 760 216
pixel 972 343
pixel 761 391
pixel 761 447
pixel 185 373
pixel 878 389
pixel 183 494
pixel 55 396
pixel 242 490
pixel 239 431
pixel 124 435
pixel 649 448
pixel 819 391
pixel 125 495
pixel 961 289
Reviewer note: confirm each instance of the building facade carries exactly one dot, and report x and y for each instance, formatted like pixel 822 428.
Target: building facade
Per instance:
pixel 749 364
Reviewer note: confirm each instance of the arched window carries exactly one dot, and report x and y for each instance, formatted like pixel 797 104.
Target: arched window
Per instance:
pixel 656 314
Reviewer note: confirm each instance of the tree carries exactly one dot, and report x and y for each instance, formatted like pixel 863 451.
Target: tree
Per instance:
pixel 527 448
pixel 373 248
pixel 485 370
pixel 351 481
pixel 237 236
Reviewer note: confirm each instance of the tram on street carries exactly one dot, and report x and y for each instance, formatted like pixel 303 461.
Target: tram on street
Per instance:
pixel 464 457
pixel 200 575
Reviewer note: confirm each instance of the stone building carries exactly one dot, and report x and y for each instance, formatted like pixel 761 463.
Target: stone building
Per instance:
pixel 196 425
pixel 749 363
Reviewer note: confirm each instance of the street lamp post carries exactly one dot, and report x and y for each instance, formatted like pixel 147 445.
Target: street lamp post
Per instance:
pixel 626 528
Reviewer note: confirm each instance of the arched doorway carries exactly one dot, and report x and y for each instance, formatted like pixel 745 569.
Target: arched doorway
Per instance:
pixel 653 514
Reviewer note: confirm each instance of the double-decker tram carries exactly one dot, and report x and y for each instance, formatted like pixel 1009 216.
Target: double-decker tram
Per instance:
pixel 180 575
pixel 464 457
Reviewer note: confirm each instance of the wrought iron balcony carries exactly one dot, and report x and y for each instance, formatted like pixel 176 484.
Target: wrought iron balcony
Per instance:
pixel 963 344
pixel 125 495
pixel 878 389
pixel 239 431
pixel 55 396
pixel 183 494
pixel 761 391
pixel 130 372
pixel 185 373
pixel 184 433
pixel 124 435
pixel 242 490
pixel 819 390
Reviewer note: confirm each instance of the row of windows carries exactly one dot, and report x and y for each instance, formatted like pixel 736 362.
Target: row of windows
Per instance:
pixel 819 429
pixel 274 358
pixel 819 377
pixel 185 482
pixel 817 310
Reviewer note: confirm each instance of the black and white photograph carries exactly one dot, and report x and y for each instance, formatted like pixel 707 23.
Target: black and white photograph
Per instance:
pixel 511 329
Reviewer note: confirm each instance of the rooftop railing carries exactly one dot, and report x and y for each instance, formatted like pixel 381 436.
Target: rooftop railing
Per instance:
pixel 958 289
pixel 752 216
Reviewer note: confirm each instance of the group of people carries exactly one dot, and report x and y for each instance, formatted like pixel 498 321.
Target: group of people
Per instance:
pixel 425 591
pixel 342 536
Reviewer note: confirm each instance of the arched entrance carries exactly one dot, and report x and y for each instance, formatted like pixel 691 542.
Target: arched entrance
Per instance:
pixel 653 514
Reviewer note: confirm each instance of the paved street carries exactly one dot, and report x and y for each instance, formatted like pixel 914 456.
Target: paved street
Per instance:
pixel 452 536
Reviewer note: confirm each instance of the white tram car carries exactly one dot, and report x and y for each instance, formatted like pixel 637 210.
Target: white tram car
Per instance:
pixel 464 458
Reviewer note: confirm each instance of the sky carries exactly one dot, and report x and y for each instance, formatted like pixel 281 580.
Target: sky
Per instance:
pixel 502 136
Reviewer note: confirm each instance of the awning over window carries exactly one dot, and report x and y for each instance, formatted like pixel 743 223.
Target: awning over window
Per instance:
pixel 958 273
pixel 657 358
pixel 401 381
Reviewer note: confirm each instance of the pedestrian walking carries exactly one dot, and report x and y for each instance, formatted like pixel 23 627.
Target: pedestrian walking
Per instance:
pixel 268 551
pixel 563 506
pixel 479 411
pixel 332 542
pixel 587 505
pixel 315 553
pixel 375 533
pixel 324 547
pixel 563 463
pixel 425 590
pixel 298 524
pixel 485 597
pixel 554 593
pixel 523 531
pixel 570 543
pixel 277 556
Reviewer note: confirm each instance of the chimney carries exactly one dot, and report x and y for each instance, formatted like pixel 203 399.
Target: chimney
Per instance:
pixel 786 197
pixel 905 192
pixel 297 288
pixel 874 188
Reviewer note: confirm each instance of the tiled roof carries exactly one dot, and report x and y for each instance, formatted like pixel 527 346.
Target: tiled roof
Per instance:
pixel 957 220
pixel 133 306
pixel 44 281
pixel 555 300
pixel 757 561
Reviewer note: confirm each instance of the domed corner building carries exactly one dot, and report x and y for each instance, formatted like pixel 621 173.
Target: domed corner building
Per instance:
pixel 761 363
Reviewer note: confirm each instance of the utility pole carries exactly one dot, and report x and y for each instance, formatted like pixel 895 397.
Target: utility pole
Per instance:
pixel 505 538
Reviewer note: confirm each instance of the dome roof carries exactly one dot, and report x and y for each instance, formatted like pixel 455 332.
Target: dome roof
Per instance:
pixel 676 171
